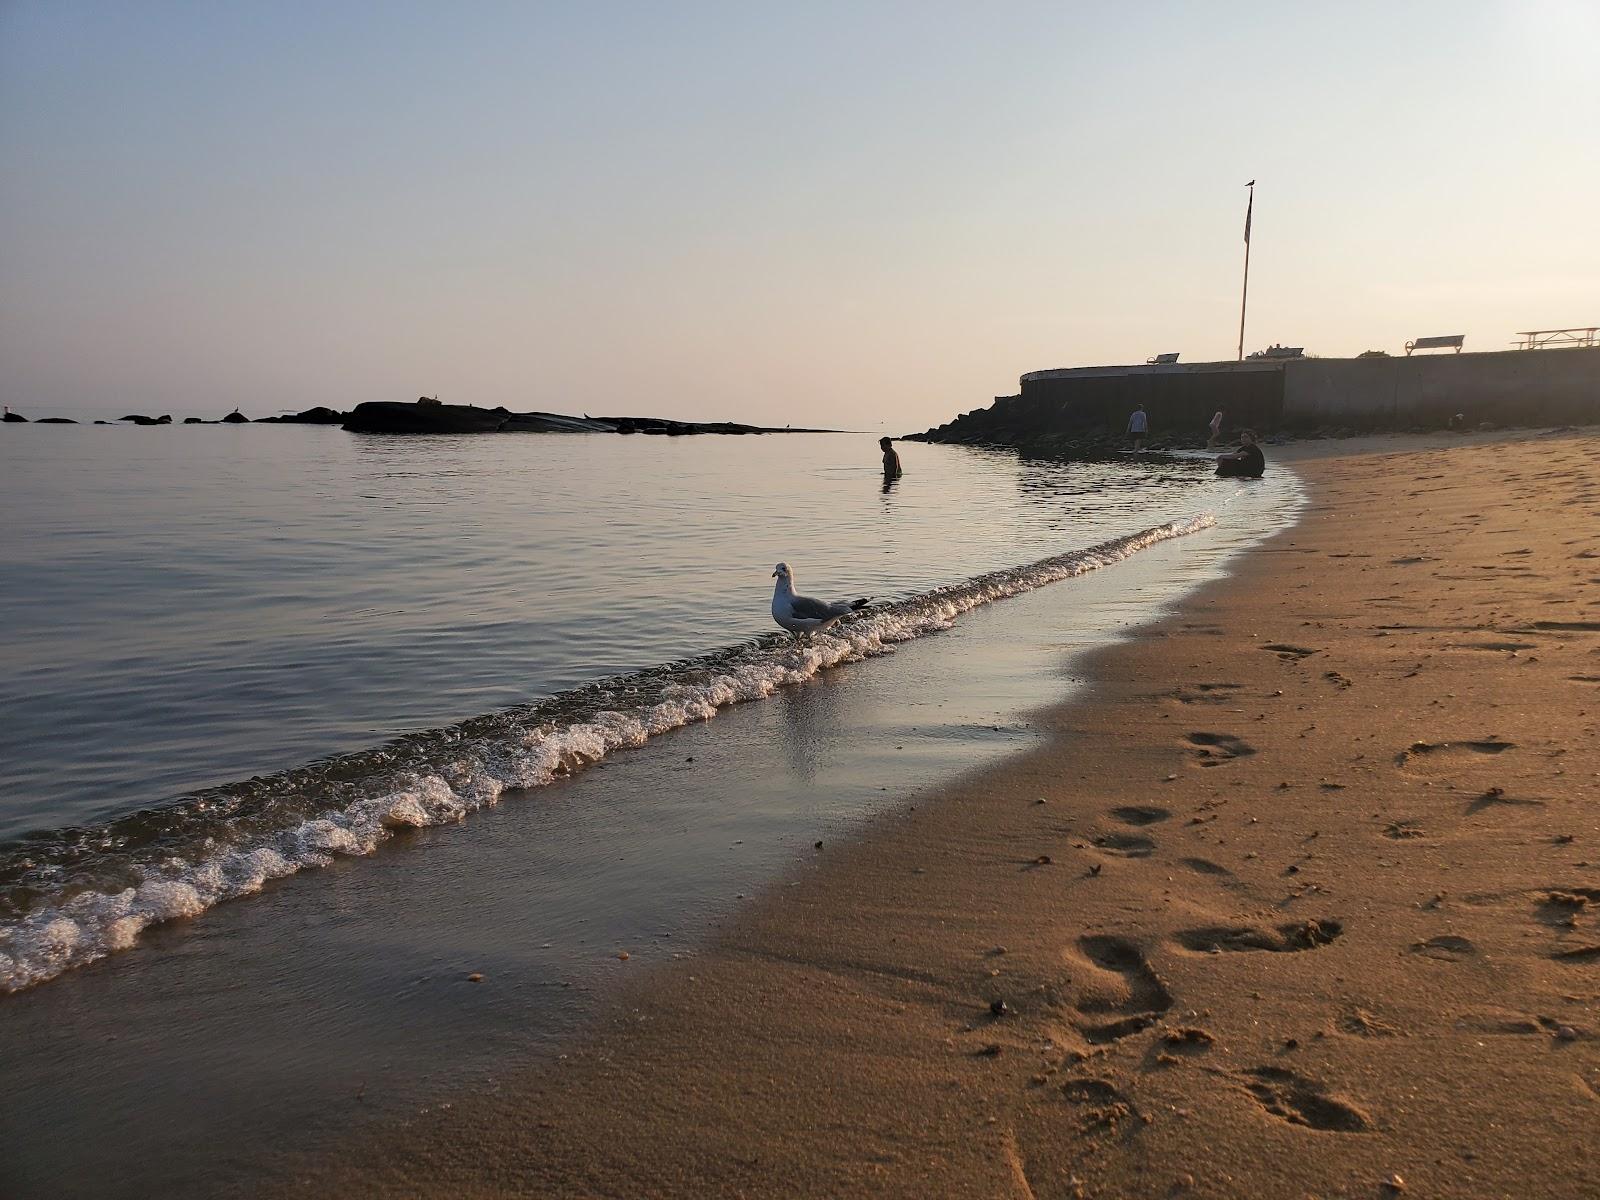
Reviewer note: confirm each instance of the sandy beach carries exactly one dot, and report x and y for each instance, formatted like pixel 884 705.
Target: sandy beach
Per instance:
pixel 1302 900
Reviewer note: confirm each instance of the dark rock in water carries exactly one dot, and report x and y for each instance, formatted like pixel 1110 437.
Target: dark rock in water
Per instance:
pixel 12 418
pixel 385 416
pixel 429 416
pixel 551 423
pixel 141 419
pixel 196 421
pixel 102 422
pixel 236 418
pixel 320 415
pixel 55 421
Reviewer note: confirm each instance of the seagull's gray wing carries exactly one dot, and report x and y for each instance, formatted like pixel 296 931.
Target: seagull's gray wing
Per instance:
pixel 808 609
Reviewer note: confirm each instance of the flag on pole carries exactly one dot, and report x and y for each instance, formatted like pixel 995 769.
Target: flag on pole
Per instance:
pixel 1249 208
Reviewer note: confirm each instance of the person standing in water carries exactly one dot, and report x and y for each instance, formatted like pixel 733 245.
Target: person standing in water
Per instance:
pixel 1138 427
pixel 1216 431
pixel 891 460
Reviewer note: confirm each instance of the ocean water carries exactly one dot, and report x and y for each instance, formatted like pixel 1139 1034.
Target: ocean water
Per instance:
pixel 235 653
pixel 394 709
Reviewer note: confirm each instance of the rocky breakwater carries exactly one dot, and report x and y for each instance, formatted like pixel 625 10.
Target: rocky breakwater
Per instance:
pixel 1038 429
pixel 430 416
pixel 320 415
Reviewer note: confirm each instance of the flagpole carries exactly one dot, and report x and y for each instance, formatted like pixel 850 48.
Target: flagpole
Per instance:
pixel 1245 295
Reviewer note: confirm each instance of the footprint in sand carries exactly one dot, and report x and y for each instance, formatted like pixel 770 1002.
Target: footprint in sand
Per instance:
pixel 1295 936
pixel 1105 1107
pixel 1563 906
pixel 1498 1022
pixel 1446 948
pixel 1128 991
pixel 1359 1022
pixel 1578 954
pixel 1125 845
pixel 1214 749
pixel 1484 746
pixel 1300 1100
pixel 1140 814
pixel 1429 757
pixel 1206 693
pixel 1286 652
pixel 1204 866
pixel 1177 1044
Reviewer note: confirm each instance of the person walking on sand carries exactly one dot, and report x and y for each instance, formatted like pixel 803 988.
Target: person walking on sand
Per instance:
pixel 891 460
pixel 1138 427
pixel 1216 431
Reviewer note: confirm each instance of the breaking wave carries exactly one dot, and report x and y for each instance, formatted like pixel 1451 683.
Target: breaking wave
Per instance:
pixel 71 896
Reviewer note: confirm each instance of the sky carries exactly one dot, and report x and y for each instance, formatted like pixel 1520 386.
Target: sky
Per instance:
pixel 868 215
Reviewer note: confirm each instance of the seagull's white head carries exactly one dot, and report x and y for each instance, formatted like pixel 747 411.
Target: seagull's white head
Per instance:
pixel 781 571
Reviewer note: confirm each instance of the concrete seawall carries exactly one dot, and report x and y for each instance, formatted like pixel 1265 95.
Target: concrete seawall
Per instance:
pixel 1514 387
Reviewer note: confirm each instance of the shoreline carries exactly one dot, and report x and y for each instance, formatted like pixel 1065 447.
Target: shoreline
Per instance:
pixel 1240 950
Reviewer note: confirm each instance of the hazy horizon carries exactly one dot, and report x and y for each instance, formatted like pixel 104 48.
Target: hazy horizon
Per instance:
pixel 867 219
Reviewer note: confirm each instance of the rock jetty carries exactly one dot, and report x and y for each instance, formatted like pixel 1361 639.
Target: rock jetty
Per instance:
pixel 429 416
pixel 320 415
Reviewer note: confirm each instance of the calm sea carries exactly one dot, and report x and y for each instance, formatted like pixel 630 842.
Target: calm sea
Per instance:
pixel 232 653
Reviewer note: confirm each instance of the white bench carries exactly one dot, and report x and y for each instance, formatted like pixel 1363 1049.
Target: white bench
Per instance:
pixel 1452 341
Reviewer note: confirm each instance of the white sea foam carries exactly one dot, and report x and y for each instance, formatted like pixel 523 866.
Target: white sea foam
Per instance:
pixel 520 753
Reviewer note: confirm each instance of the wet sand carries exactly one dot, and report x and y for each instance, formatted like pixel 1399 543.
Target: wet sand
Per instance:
pixel 1302 898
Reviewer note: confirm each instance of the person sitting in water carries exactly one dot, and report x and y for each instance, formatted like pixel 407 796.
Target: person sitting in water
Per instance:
pixel 891 460
pixel 1247 462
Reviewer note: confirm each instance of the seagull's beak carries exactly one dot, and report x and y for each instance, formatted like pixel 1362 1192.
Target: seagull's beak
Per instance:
pixel 774 574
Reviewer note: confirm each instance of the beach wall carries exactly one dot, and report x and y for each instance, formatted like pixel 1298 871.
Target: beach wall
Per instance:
pixel 1075 408
pixel 1512 387
pixel 1181 396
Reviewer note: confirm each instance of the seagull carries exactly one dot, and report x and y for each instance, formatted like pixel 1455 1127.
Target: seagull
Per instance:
pixel 802 614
